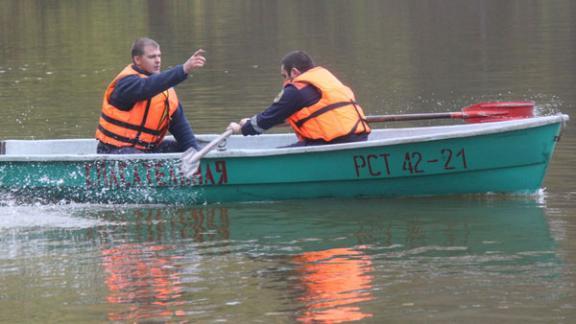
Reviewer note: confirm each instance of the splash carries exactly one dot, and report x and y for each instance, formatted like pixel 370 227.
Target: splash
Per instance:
pixel 46 217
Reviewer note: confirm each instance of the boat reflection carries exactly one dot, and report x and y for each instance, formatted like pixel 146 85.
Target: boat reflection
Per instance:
pixel 325 253
pixel 165 224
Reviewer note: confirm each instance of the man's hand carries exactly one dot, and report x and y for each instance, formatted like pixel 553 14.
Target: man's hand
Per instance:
pixel 237 127
pixel 196 61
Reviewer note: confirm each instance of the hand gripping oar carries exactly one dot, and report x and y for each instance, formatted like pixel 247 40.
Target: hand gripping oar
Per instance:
pixel 477 113
pixel 190 160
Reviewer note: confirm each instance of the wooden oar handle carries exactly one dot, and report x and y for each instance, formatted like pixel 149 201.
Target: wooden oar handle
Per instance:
pixel 389 118
pixel 482 112
pixel 200 154
pixel 446 115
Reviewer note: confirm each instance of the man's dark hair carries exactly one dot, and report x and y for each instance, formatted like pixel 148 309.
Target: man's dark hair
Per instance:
pixel 140 44
pixel 297 59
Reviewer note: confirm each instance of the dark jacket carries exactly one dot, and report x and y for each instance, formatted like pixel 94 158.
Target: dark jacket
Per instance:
pixel 132 89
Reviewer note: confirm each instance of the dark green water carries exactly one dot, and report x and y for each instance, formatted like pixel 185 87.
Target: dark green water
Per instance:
pixel 454 259
pixel 376 260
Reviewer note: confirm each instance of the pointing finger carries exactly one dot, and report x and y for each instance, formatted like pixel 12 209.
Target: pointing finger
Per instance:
pixel 199 52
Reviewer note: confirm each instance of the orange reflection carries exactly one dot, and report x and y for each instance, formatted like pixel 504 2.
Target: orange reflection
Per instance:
pixel 335 281
pixel 138 276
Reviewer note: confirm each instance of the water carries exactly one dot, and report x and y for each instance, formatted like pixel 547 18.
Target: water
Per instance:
pixel 439 259
pixel 452 259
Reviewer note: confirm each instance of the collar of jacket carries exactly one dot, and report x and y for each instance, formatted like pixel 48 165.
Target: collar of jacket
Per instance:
pixel 139 70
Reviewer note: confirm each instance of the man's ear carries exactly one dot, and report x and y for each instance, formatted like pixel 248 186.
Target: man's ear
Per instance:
pixel 295 72
pixel 137 60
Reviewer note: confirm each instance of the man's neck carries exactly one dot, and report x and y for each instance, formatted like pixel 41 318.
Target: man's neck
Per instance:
pixel 140 70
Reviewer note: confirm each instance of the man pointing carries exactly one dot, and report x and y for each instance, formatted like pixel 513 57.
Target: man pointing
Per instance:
pixel 140 105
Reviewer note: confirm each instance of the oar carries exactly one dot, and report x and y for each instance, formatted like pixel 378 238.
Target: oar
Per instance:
pixel 477 113
pixel 190 160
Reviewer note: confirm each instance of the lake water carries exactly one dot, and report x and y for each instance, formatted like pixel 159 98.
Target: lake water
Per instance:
pixel 488 258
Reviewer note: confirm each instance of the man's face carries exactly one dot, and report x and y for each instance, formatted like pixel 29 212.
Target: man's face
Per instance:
pixel 151 60
pixel 285 74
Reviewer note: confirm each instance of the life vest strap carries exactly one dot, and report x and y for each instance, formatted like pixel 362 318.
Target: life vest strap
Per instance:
pixel 360 120
pixel 130 126
pixel 144 118
pixel 324 110
pixel 132 142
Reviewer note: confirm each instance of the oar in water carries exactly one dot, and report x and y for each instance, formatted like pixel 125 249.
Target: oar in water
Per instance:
pixel 190 160
pixel 477 113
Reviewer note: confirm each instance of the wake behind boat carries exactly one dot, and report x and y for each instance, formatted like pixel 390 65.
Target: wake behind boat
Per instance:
pixel 499 157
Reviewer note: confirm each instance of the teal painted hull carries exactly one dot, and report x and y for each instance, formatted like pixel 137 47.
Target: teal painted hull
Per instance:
pixel 500 162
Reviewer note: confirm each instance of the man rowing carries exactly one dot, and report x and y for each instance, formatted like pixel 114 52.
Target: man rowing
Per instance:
pixel 320 109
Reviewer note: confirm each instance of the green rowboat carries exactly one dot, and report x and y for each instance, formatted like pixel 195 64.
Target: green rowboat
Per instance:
pixel 499 157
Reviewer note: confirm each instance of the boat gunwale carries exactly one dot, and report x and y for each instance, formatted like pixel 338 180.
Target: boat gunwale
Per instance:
pixel 455 131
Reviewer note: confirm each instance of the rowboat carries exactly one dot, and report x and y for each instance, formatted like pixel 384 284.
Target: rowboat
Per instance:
pixel 509 156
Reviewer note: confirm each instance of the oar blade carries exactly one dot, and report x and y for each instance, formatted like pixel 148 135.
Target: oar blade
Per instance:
pixel 189 162
pixel 498 111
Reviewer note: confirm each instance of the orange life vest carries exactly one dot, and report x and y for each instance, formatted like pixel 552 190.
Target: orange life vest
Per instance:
pixel 336 114
pixel 144 126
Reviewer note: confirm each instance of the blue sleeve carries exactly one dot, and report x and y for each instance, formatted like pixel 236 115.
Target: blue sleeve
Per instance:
pixel 182 131
pixel 133 88
pixel 290 101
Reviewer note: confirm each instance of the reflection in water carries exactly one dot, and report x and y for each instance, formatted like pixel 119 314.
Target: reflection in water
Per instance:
pixel 145 276
pixel 169 224
pixel 142 277
pixel 330 263
pixel 313 261
pixel 335 281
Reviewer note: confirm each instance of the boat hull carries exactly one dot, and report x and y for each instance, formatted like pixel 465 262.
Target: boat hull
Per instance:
pixel 498 162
